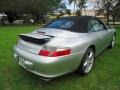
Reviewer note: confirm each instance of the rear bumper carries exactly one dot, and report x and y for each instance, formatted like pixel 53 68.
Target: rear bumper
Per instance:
pixel 48 67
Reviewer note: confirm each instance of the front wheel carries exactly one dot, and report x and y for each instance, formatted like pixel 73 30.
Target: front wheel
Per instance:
pixel 87 61
pixel 112 44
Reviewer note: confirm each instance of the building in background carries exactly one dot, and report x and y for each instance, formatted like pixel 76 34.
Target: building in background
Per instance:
pixel 88 12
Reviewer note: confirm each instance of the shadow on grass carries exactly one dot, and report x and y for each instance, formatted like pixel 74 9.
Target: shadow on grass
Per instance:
pixel 73 76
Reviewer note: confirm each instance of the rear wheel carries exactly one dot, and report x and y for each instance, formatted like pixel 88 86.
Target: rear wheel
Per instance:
pixel 87 61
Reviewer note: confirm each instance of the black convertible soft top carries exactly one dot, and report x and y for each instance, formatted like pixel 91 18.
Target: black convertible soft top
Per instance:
pixel 80 23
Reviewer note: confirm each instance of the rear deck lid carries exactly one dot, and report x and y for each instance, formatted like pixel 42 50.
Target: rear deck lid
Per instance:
pixel 32 42
pixel 60 33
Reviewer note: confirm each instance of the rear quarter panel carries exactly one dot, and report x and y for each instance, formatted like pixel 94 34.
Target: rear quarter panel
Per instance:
pixel 81 44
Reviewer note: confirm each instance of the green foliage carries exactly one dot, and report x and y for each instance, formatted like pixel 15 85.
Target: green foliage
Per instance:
pixel 78 3
pixel 38 8
pixel 68 11
pixel 28 6
pixel 78 13
pixel 110 7
pixel 82 4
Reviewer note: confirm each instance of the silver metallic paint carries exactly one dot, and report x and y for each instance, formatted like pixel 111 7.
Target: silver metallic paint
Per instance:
pixel 50 67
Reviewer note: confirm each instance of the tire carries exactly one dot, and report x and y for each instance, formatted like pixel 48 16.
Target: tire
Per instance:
pixel 112 44
pixel 87 61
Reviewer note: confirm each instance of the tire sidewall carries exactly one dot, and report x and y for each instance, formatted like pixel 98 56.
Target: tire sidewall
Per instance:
pixel 111 46
pixel 81 68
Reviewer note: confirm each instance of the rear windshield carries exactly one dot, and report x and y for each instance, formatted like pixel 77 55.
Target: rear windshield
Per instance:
pixel 60 24
pixel 70 24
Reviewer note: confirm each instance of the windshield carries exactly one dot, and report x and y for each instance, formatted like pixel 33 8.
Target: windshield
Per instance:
pixel 60 24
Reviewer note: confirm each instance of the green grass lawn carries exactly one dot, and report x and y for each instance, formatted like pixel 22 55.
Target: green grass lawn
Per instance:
pixel 104 76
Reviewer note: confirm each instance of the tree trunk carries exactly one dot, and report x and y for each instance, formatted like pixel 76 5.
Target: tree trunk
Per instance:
pixel 11 16
pixel 74 9
pixel 85 11
pixel 108 15
pixel 3 20
pixel 38 17
pixel 113 19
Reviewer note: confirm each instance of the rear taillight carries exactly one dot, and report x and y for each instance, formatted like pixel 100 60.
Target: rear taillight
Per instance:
pixel 55 53
pixel 44 52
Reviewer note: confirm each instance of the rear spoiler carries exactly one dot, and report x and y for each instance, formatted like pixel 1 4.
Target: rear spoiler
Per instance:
pixel 36 40
pixel 37 37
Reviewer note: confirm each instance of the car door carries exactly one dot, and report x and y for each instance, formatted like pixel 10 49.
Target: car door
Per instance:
pixel 101 34
pixel 105 33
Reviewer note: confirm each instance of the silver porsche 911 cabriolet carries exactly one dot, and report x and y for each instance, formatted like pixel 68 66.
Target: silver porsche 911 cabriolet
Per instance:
pixel 63 46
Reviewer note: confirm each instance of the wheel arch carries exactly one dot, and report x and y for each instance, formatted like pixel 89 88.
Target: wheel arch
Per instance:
pixel 80 69
pixel 93 47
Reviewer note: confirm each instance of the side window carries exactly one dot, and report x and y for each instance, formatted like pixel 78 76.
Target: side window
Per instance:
pixel 97 25
pixel 90 27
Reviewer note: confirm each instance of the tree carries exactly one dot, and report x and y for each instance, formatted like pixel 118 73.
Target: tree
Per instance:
pixel 108 7
pixel 78 13
pixel 68 12
pixel 38 8
pixel 78 3
pixel 81 4
pixel 61 14
pixel 116 12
